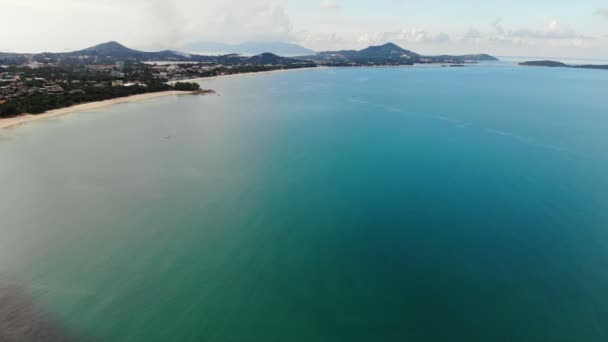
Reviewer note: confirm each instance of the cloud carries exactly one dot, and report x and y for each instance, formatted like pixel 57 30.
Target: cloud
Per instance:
pixel 254 20
pixel 145 24
pixel 160 24
pixel 404 36
pixel 330 5
pixel 472 34
pixel 498 27
pixel 553 33
pixel 323 41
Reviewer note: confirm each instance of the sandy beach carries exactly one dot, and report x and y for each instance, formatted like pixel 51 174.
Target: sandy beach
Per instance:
pixel 25 118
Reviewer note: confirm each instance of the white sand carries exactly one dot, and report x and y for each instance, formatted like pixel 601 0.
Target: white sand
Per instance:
pixel 25 118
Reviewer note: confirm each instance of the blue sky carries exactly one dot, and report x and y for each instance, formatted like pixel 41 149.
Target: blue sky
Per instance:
pixel 446 15
pixel 516 27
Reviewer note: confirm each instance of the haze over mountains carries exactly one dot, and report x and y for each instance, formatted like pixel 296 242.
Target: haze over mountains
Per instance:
pixel 110 52
pixel 248 48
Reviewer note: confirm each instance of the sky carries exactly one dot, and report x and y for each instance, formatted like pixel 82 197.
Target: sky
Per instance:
pixel 557 28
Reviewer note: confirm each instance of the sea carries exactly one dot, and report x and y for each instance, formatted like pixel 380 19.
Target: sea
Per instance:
pixel 334 204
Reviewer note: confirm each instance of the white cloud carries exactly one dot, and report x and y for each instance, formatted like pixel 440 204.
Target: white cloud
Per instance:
pixel 148 24
pixel 552 34
pixel 473 34
pixel 403 37
pixel 323 41
pixel 254 20
pixel 602 11
pixel 330 5
pixel 60 25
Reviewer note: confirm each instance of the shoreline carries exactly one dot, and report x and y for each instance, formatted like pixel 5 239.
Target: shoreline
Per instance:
pixel 22 119
pixel 25 118
pixel 253 73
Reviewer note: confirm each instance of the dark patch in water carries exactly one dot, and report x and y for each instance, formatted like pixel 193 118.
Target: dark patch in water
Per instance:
pixel 21 320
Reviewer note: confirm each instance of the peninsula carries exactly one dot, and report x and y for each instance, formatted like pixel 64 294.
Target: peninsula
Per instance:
pixel 554 64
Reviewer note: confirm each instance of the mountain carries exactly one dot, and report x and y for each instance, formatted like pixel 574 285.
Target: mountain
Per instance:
pixel 388 50
pixel 389 54
pixel 116 51
pixel 248 48
pixel 552 64
pixel 111 52
pixel 109 48
pixel 106 53
pixel 13 58
pixel 272 59
pixel 466 58
pixel 384 54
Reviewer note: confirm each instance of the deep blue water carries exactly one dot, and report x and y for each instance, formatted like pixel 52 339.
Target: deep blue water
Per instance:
pixel 386 204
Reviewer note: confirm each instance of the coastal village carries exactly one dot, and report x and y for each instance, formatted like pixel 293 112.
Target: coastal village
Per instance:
pixel 40 79
pixel 35 87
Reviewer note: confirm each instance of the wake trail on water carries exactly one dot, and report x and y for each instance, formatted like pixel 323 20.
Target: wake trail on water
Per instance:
pixel 461 124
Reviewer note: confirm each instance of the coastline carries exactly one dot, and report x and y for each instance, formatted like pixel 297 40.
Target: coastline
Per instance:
pixel 321 67
pixel 25 118
pixel 254 73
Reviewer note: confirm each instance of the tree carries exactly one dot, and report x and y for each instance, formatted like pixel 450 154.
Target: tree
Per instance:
pixel 186 86
pixel 8 110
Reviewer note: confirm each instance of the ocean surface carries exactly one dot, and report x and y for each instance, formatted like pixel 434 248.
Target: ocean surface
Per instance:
pixel 366 204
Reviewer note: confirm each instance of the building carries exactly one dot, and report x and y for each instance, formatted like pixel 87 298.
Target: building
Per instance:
pixel 136 83
pixel 115 73
pixel 53 89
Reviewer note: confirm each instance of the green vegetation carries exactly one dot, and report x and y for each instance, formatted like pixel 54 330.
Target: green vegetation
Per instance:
pixel 40 103
pixel 554 64
pixel 389 54
pixel 186 86
pixel 42 89
pixel 35 83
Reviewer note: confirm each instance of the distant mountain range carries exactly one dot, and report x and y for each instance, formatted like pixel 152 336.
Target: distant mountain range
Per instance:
pixel 103 53
pixel 248 48
pixel 111 52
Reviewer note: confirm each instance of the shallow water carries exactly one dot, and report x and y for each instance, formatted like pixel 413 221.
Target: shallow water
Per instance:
pixel 420 204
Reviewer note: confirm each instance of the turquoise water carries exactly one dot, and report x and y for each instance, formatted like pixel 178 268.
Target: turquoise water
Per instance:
pixel 401 204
